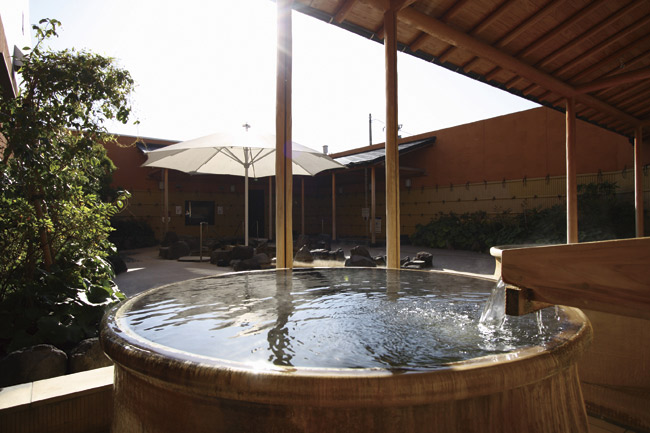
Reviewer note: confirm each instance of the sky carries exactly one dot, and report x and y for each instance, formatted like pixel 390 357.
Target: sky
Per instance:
pixel 205 66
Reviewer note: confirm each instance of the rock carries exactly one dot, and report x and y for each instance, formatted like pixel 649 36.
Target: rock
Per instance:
pixel 303 255
pixel 246 265
pixel 320 254
pixel 360 251
pixel 243 252
pixel 118 264
pixel 426 257
pixel 169 239
pixel 177 250
pixel 405 261
pixel 360 261
pixel 303 240
pixel 87 355
pixel 221 257
pixel 338 255
pixel 263 260
pixel 380 260
pixel 33 363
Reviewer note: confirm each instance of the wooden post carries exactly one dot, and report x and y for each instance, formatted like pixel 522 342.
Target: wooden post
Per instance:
pixel 333 206
pixel 165 201
pixel 302 205
pixel 283 169
pixel 373 205
pixel 571 177
pixel 392 157
pixel 638 181
pixel 270 207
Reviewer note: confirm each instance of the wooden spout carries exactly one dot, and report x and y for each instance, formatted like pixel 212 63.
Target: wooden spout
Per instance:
pixel 608 276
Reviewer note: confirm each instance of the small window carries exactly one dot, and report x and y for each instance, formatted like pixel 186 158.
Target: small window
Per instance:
pixel 197 212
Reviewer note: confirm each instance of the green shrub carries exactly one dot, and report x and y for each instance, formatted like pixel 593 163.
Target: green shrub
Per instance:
pixel 601 215
pixel 54 223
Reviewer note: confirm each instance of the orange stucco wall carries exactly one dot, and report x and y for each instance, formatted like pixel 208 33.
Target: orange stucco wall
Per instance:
pixel 526 144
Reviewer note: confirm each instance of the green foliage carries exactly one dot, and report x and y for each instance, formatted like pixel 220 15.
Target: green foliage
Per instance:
pixel 601 215
pixel 54 222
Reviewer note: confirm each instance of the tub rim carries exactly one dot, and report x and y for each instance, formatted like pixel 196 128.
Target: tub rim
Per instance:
pixel 172 368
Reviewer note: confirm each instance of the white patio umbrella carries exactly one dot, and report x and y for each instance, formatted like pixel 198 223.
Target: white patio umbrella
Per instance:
pixel 239 154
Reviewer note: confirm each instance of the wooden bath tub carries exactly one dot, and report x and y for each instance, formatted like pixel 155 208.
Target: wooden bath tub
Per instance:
pixel 163 389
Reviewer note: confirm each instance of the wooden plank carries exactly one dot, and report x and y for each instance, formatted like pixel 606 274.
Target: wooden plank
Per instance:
pixel 638 182
pixel 571 179
pixel 333 206
pixel 373 205
pixel 302 206
pixel 343 11
pixel 166 202
pixel 608 276
pixel 270 236
pixel 283 172
pixel 392 155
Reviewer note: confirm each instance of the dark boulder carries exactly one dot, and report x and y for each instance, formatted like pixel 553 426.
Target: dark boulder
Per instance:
pixel 303 255
pixel 32 363
pixel 426 257
pixel 177 250
pixel 360 251
pixel 360 261
pixel 221 257
pixel 87 355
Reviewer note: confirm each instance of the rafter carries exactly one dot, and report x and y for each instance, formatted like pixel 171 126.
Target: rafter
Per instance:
pixel 459 39
pixel 480 26
pixel 343 10
pixel 596 28
pixel 559 29
pixel 614 81
pixel 639 24
pixel 519 30
pixel 419 42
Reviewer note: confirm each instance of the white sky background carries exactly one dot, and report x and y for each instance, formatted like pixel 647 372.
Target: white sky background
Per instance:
pixel 207 66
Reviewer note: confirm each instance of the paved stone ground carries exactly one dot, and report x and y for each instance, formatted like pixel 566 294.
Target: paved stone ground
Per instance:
pixel 147 270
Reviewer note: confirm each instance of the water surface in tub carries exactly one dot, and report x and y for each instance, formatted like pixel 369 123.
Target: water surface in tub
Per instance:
pixel 332 318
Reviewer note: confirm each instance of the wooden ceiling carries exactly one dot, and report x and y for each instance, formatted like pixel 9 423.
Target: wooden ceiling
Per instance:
pixel 543 50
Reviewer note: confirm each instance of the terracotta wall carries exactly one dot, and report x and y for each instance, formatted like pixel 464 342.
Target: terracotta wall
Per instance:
pixel 508 163
pixel 526 144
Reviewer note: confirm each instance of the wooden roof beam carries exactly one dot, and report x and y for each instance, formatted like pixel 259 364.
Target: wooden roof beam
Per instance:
pixel 419 42
pixel 344 10
pixel 596 28
pixel 518 31
pixel 639 24
pixel 459 39
pixel 559 29
pixel 482 25
pixel 614 81
pixel 565 25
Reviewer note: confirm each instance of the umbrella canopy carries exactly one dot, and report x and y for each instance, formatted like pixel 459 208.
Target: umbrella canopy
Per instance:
pixel 243 154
